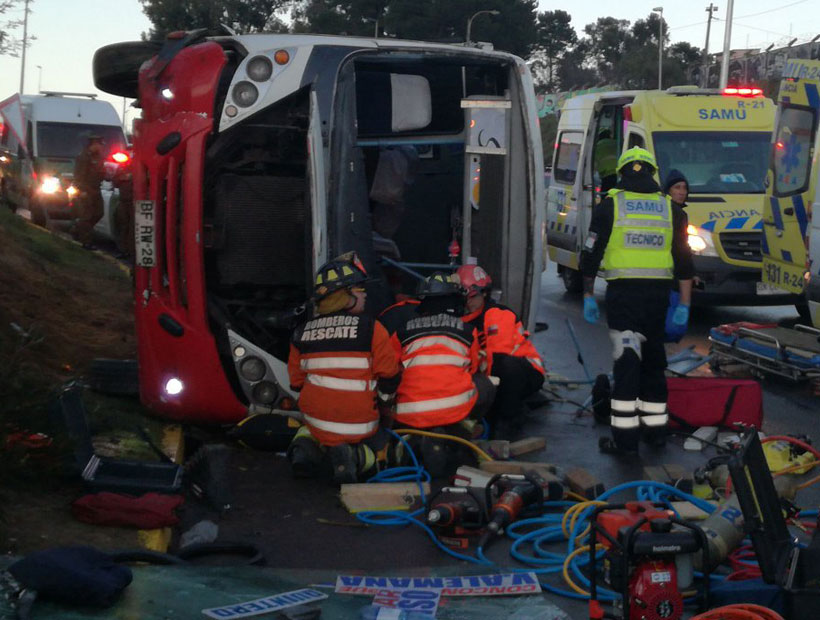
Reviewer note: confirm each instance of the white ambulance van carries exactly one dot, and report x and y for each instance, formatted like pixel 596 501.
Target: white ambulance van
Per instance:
pixel 57 125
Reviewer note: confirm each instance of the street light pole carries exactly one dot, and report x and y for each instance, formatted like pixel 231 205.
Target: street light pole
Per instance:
pixel 727 45
pixel 659 10
pixel 25 40
pixel 473 16
pixel 39 79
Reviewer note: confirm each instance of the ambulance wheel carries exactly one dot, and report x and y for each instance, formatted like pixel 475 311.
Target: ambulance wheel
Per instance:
pixel 573 280
pixel 805 313
pixel 117 377
pixel 38 214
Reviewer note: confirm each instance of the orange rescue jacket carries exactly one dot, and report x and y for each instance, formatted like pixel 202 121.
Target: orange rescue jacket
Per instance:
pixel 500 331
pixel 338 361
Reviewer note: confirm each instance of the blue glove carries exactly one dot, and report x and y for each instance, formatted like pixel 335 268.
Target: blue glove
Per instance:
pixel 591 314
pixel 681 315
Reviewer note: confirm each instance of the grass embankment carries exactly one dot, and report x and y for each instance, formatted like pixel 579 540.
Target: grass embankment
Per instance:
pixel 60 307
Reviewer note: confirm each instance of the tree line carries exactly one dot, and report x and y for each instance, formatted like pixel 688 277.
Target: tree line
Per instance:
pixel 612 51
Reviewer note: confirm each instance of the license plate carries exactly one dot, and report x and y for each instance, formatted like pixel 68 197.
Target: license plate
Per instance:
pixel 145 229
pixel 764 288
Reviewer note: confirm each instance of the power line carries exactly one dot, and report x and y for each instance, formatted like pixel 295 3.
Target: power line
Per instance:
pixel 737 23
pixel 780 8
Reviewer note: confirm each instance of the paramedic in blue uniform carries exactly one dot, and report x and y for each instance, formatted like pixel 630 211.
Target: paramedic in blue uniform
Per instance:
pixel 640 242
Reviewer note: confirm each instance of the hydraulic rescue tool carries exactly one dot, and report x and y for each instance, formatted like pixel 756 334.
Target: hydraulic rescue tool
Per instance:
pixel 648 559
pixel 509 495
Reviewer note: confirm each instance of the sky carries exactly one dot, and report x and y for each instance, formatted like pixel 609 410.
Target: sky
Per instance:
pixel 70 31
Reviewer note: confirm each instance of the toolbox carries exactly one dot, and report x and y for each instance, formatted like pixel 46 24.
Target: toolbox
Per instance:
pixel 101 473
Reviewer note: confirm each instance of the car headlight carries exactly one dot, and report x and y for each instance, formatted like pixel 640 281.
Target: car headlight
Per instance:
pixel 71 191
pixel 700 241
pixel 50 185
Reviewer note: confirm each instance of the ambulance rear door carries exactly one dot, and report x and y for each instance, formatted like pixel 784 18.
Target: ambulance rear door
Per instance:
pixel 791 185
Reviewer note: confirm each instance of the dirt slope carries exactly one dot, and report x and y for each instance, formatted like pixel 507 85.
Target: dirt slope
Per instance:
pixel 60 307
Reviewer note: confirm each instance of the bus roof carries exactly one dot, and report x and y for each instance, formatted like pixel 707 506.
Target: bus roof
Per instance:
pixel 260 42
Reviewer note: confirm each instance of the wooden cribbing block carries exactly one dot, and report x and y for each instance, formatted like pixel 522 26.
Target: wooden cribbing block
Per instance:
pixel 496 448
pixel 671 474
pixel 584 483
pixel 525 446
pixel 515 467
pixel 690 512
pixel 381 495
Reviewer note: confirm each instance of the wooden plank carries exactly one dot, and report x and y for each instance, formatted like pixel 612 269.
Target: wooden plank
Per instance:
pixel 690 512
pixel 515 467
pixel 496 448
pixel 525 446
pixel 584 483
pixel 381 495
pixel 679 477
pixel 655 473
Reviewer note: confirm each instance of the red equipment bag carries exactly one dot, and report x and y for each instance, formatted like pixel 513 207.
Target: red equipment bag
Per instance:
pixel 706 401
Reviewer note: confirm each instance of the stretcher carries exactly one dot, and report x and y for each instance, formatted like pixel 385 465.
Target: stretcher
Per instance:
pixel 791 353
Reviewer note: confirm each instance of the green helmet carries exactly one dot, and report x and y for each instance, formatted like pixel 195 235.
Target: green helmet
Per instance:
pixel 438 284
pixel 344 271
pixel 636 154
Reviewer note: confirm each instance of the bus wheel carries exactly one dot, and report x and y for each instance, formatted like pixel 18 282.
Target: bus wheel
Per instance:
pixel 573 280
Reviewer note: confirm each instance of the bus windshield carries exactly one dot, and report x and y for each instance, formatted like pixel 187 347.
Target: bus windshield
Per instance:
pixel 68 139
pixel 715 162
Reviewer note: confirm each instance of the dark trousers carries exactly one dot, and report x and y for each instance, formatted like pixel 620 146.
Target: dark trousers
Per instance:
pixel 91 211
pixel 638 306
pixel 519 380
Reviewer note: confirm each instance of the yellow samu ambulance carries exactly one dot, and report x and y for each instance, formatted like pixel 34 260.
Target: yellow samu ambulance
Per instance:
pixel 718 139
pixel 791 242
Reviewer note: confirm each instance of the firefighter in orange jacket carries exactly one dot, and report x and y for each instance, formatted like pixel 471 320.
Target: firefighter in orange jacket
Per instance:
pixel 511 356
pixel 347 371
pixel 441 387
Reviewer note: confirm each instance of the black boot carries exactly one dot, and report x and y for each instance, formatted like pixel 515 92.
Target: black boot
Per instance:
pixel 344 463
pixel 306 458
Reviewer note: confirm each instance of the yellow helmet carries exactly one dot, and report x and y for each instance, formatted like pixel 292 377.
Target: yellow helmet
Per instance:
pixel 636 154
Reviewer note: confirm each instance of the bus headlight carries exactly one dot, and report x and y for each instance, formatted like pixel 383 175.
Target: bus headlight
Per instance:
pixel 245 94
pixel 50 185
pixel 265 392
pixel 700 241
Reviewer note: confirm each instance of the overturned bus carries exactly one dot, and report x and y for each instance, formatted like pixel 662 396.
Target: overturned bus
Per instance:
pixel 259 157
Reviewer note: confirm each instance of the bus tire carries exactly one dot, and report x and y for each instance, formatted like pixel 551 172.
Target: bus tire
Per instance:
pixel 116 66
pixel 115 377
pixel 573 280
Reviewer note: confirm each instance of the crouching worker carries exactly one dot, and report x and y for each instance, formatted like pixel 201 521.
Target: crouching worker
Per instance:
pixel 346 370
pixel 511 356
pixel 441 389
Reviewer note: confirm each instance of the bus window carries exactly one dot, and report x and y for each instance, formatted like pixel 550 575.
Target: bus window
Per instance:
pixel 566 161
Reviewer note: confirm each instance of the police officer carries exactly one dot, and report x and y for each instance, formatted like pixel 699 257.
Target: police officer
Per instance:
pixel 442 388
pixel 346 370
pixel 510 355
pixel 89 172
pixel 642 242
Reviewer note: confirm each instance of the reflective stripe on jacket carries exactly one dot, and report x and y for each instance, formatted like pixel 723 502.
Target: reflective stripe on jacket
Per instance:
pixel 439 354
pixel 336 361
pixel 500 331
pixel 640 245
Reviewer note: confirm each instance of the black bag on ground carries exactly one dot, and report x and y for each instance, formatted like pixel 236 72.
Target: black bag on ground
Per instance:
pixel 75 575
